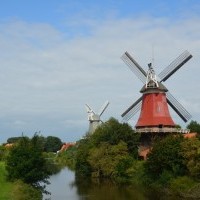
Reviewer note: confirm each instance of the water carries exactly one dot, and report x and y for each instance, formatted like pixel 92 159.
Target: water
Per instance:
pixel 64 186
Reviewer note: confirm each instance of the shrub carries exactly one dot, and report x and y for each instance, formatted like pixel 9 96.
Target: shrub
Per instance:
pixel 26 162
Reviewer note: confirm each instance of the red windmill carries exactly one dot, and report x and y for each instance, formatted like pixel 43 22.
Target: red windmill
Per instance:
pixel 154 114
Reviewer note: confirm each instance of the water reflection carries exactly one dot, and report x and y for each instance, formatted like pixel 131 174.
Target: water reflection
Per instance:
pixel 107 190
pixel 65 186
pixel 61 186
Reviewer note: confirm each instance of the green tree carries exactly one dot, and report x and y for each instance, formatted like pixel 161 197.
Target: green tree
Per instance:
pixel 194 126
pixel 52 144
pixel 191 154
pixel 110 135
pixel 165 159
pixel 82 166
pixel 26 162
pixel 113 132
pixel 13 139
pixel 105 159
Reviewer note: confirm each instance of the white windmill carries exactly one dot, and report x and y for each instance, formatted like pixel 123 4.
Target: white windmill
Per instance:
pixel 94 118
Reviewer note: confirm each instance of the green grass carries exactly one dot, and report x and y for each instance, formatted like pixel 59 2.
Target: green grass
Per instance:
pixel 5 186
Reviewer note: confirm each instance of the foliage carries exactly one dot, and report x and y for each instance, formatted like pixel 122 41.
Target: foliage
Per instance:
pixel 13 139
pixel 113 132
pixel 26 162
pixel 105 159
pixel 82 166
pixel 6 187
pixel 22 191
pixel 182 184
pixel 165 160
pixel 191 154
pixel 108 152
pixel 52 144
pixel 194 126
pixel 3 153
pixel 67 158
pixel 48 144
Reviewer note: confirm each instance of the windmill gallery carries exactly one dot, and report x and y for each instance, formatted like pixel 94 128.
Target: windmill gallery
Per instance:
pixel 154 118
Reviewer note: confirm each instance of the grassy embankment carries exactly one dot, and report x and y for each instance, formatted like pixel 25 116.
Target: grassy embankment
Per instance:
pixel 16 190
pixel 6 187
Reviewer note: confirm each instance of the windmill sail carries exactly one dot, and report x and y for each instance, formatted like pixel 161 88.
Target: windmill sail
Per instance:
pixel 178 108
pixel 132 110
pixel 88 108
pixel 103 108
pixel 174 66
pixel 134 66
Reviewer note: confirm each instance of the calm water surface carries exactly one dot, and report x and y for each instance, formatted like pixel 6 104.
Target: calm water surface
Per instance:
pixel 64 186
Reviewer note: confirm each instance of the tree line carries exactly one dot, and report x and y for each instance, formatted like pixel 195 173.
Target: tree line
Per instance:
pixel 48 144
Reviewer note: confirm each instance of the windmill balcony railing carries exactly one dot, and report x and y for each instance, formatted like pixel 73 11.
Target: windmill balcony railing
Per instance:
pixel 161 130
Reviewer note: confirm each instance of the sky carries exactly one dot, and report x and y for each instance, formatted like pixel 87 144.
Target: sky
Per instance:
pixel 55 56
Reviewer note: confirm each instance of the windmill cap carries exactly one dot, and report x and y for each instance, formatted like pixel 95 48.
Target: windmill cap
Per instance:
pixel 160 88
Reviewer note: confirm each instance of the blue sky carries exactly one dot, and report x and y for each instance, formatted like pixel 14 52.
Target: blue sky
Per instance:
pixel 55 56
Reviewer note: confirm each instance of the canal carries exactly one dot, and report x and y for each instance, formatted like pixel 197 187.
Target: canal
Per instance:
pixel 64 186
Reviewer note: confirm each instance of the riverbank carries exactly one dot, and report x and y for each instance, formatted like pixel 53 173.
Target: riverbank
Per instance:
pixel 6 187
pixel 16 190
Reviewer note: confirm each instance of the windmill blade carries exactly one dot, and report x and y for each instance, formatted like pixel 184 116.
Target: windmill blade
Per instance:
pixel 88 108
pixel 134 66
pixel 178 108
pixel 105 105
pixel 132 110
pixel 174 66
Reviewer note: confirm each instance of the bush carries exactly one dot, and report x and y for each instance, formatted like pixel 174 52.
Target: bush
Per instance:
pixel 105 160
pixel 13 139
pixel 22 191
pixel 67 158
pixel 113 132
pixel 52 144
pixel 182 184
pixel 101 153
pixel 3 153
pixel 165 157
pixel 26 162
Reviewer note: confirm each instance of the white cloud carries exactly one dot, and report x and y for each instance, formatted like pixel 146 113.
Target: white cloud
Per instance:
pixel 48 78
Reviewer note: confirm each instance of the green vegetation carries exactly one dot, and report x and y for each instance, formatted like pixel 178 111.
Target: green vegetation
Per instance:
pixel 52 144
pixel 174 163
pixel 26 166
pixel 13 139
pixel 23 191
pixel 112 152
pixel 6 187
pixel 194 126
pixel 3 153
pixel 26 162
pixel 67 158
pixel 16 190
pixel 165 160
pixel 109 152
pixel 48 144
